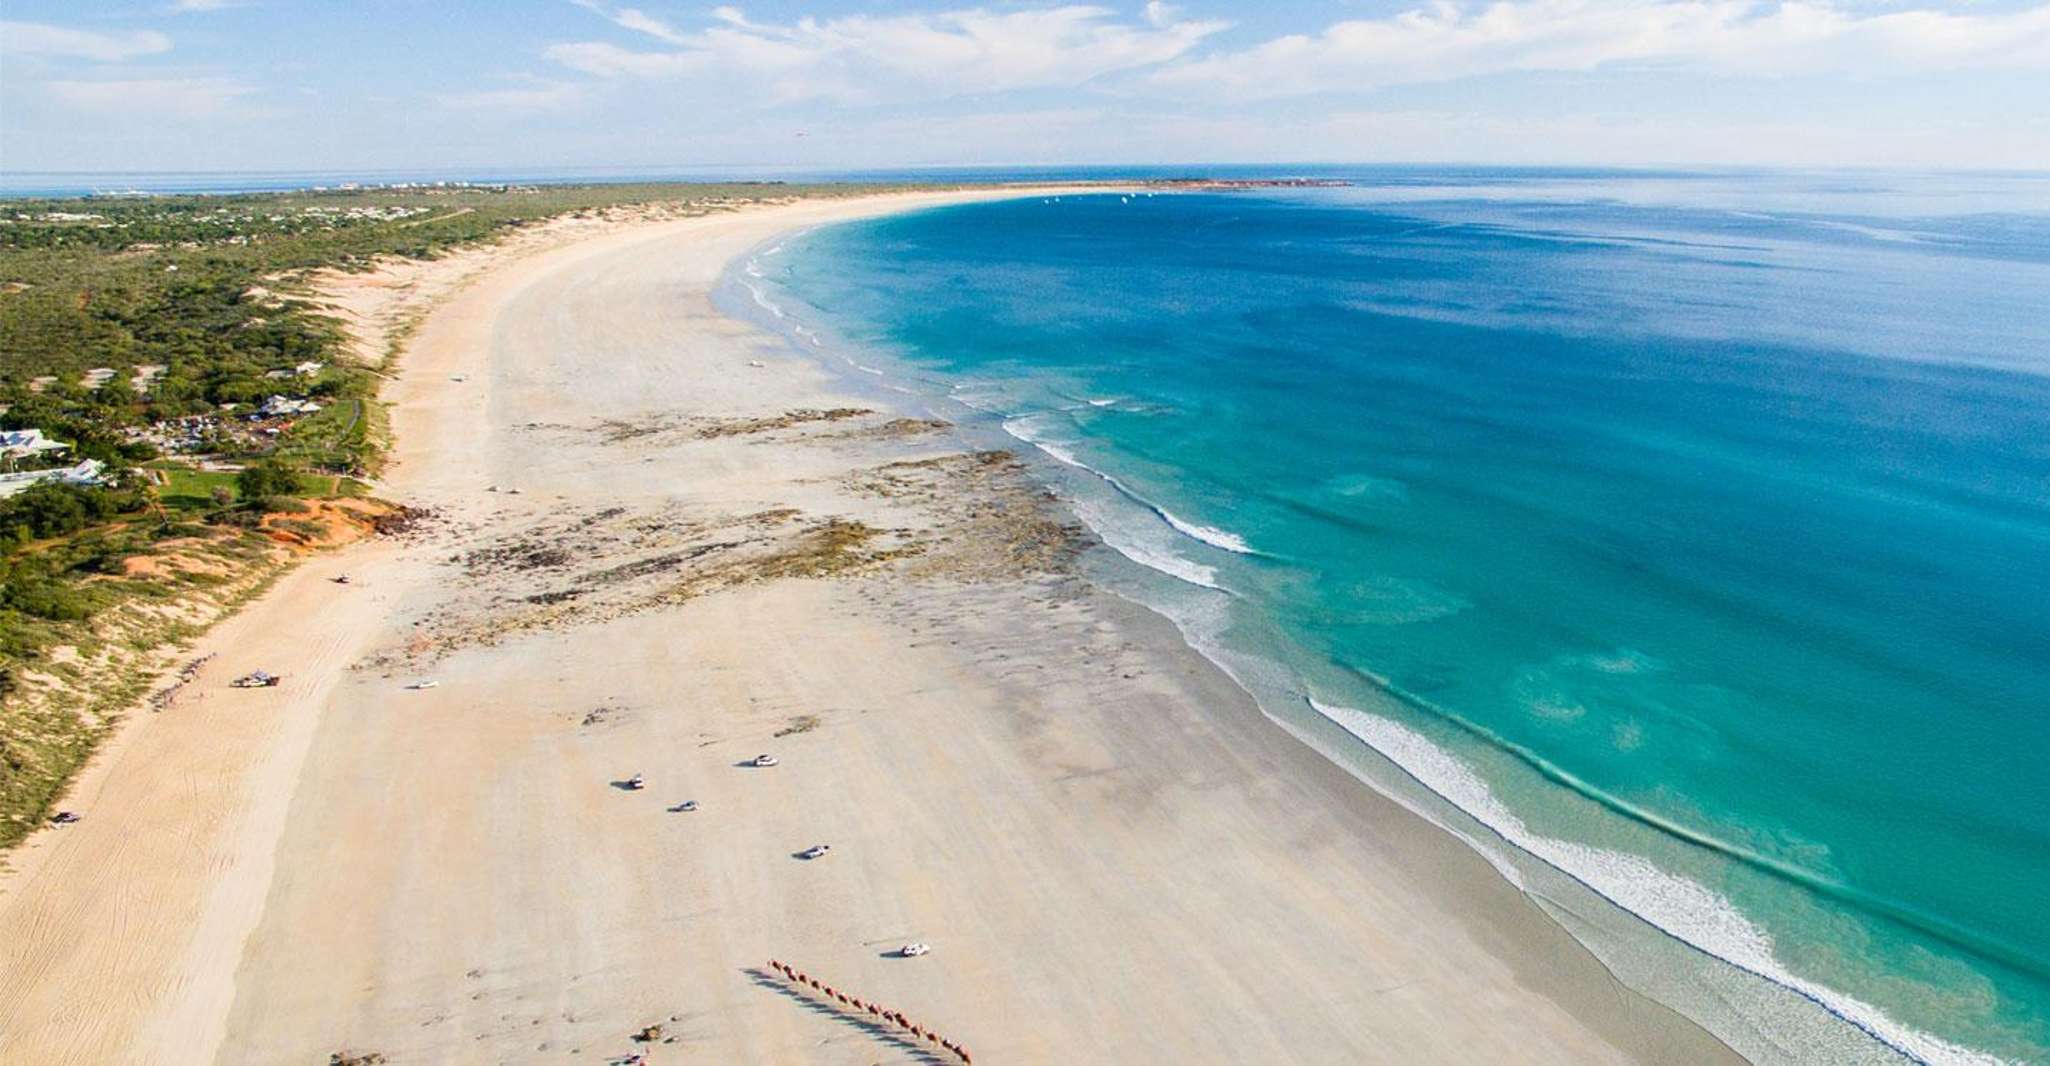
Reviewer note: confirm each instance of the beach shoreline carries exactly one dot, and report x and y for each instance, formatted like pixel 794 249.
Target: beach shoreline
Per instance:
pixel 1115 855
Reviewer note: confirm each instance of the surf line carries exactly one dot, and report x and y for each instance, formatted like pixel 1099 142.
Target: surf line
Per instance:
pixel 1221 539
pixel 1950 933
pixel 1944 1051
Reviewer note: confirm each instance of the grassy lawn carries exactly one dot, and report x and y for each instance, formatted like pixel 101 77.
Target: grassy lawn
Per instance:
pixel 186 489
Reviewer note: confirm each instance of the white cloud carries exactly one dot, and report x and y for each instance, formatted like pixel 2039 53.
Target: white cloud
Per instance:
pixel 612 61
pixel 172 97
pixel 39 39
pixel 640 21
pixel 542 96
pixel 181 7
pixel 866 59
pixel 1446 41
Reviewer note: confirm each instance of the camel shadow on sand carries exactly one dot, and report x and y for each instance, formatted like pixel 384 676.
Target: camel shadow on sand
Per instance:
pixel 883 1033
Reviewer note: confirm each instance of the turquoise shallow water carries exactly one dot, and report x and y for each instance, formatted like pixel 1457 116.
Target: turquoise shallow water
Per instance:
pixel 1692 532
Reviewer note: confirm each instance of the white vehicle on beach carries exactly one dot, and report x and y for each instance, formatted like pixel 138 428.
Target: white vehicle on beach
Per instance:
pixel 814 851
pixel 419 685
pixel 912 951
pixel 259 679
pixel 635 783
pixel 685 807
pixel 762 760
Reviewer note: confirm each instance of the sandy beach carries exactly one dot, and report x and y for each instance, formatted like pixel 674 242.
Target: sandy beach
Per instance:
pixel 647 554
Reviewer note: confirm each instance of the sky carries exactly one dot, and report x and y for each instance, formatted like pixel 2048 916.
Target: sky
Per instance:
pixel 366 85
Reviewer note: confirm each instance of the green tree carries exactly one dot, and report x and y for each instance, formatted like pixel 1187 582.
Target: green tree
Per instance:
pixel 268 478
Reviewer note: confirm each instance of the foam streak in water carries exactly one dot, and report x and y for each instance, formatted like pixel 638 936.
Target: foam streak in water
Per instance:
pixel 1211 535
pixel 1683 909
pixel 1223 540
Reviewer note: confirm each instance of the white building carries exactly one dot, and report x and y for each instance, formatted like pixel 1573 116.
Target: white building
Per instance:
pixel 285 405
pixel 88 472
pixel 22 443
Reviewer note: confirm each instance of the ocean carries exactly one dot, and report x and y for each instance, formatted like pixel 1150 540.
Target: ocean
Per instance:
pixel 1681 541
pixel 55 184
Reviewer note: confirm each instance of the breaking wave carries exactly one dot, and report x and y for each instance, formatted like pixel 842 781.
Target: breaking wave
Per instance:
pixel 1221 539
pixel 1681 908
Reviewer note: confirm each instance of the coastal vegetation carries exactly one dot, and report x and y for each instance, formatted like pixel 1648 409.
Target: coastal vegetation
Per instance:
pixel 181 344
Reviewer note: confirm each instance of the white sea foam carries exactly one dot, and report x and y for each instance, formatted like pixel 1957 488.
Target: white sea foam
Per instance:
pixel 1211 535
pixel 1202 625
pixel 868 369
pixel 1172 565
pixel 1621 661
pixel 1126 542
pixel 762 299
pixel 1367 486
pixel 1132 546
pixel 1223 540
pixel 976 396
pixel 1682 908
pixel 795 235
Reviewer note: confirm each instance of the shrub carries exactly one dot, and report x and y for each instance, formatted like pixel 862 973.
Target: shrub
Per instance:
pixel 52 510
pixel 43 598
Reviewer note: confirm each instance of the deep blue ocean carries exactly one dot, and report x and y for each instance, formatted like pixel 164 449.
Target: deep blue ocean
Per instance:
pixel 1682 541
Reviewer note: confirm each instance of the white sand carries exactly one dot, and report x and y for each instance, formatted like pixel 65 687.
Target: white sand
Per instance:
pixel 1114 856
